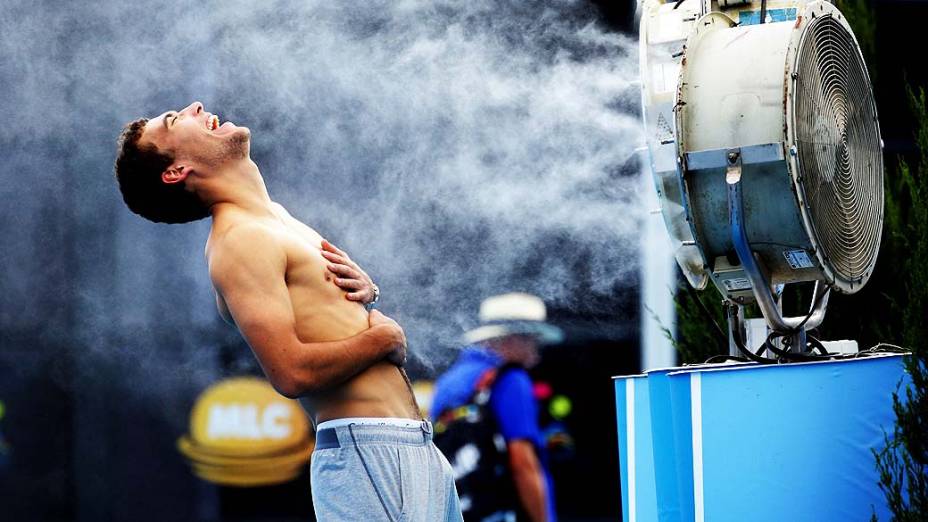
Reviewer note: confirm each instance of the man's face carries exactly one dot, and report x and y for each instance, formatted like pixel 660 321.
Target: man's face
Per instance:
pixel 195 137
pixel 520 349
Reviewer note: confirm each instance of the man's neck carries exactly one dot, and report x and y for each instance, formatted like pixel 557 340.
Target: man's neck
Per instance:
pixel 238 187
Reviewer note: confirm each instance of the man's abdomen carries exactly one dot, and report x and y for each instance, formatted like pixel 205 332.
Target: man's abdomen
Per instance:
pixel 383 390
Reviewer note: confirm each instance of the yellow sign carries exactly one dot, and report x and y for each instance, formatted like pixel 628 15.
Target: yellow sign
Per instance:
pixel 243 433
pixel 203 456
pixel 246 416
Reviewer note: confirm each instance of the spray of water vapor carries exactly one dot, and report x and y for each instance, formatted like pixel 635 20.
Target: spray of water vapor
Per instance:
pixel 455 149
pixel 447 145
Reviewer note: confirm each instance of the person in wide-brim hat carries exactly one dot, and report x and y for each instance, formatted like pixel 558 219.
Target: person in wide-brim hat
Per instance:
pixel 514 314
pixel 501 349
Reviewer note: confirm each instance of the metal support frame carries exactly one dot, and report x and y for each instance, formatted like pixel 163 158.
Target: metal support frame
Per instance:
pixel 734 312
pixel 793 326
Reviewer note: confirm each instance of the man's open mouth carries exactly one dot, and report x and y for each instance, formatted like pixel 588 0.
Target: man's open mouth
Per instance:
pixel 212 123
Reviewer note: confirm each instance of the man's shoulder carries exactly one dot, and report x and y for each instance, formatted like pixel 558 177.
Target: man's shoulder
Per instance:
pixel 514 381
pixel 239 234
pixel 455 386
pixel 469 361
pixel 240 241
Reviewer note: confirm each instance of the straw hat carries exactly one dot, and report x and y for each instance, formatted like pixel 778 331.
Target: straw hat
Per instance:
pixel 514 314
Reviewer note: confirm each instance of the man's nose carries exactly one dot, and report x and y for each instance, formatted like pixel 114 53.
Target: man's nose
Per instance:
pixel 194 108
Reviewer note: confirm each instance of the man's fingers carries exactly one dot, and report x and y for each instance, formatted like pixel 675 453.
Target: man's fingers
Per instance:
pixel 327 246
pixel 377 317
pixel 346 284
pixel 339 260
pixel 357 296
pixel 335 258
pixel 345 271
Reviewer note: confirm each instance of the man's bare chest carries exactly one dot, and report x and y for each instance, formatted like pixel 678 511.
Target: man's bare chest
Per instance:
pixel 303 248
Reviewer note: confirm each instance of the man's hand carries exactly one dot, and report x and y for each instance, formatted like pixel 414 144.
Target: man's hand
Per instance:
pixel 398 355
pixel 349 276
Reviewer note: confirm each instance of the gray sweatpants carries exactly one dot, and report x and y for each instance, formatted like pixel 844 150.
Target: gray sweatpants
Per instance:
pixel 390 473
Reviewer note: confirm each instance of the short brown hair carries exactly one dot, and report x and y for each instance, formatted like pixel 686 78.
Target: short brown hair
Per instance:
pixel 138 171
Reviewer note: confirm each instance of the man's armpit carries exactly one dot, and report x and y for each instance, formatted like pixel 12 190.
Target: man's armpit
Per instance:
pixel 223 309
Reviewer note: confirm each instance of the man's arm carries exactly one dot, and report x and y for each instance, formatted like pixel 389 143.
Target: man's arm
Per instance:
pixel 514 407
pixel 249 272
pixel 529 478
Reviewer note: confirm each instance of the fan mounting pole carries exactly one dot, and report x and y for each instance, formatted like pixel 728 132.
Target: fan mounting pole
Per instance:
pixel 792 328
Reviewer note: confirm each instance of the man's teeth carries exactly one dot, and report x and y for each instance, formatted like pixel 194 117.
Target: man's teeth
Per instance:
pixel 213 122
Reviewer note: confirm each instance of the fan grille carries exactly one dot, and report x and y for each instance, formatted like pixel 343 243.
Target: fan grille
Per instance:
pixel 838 142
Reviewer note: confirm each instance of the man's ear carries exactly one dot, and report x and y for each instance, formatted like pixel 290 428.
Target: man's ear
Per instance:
pixel 175 174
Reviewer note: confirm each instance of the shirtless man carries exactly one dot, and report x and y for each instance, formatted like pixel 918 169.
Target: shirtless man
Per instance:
pixel 275 279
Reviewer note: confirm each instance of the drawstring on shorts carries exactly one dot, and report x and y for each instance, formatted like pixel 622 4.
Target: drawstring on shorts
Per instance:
pixel 368 471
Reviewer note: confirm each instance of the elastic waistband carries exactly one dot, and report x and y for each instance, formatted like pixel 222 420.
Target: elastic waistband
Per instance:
pixel 370 421
pixel 356 433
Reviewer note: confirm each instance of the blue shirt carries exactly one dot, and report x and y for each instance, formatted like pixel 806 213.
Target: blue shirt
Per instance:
pixel 512 401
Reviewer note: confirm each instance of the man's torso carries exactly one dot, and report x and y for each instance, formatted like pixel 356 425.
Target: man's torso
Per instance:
pixel 322 313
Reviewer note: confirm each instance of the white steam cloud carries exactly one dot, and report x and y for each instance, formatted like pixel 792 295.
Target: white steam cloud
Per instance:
pixel 455 149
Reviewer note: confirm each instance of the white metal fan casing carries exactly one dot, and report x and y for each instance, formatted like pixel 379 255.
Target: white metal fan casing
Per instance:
pixel 664 27
pixel 738 91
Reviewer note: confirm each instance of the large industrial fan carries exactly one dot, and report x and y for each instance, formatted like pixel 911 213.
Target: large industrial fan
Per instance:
pixel 766 153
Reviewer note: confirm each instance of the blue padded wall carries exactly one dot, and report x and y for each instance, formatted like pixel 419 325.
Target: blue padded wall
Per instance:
pixel 756 442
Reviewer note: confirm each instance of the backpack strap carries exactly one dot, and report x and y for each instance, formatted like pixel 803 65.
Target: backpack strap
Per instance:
pixel 486 383
pixel 483 389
